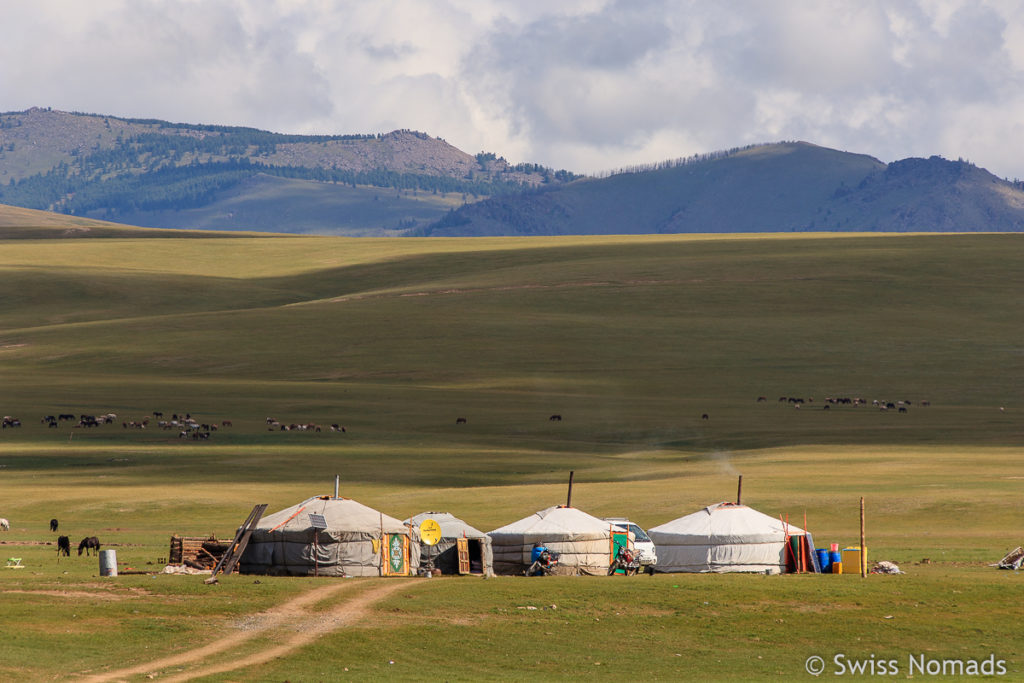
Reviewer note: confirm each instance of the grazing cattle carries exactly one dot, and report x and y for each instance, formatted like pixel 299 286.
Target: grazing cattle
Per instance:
pixel 63 547
pixel 157 414
pixel 89 543
pixel 4 524
pixel 762 399
pixel 925 404
pixel 903 410
pixel 11 422
pixel 225 423
pixel 705 417
pixel 460 420
pixel 827 407
pixel 63 417
pixel 555 418
pixel 53 524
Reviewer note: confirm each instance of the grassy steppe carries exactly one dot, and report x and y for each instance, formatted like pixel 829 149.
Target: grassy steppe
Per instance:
pixel 631 340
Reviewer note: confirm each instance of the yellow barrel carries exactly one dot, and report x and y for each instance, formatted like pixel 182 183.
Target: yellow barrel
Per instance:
pixel 851 557
pixel 837 567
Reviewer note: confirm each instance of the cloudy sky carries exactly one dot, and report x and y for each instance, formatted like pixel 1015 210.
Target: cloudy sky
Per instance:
pixel 586 85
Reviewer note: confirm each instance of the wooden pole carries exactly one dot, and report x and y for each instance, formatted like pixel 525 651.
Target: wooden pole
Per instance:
pixel 863 545
pixel 568 500
pixel 739 491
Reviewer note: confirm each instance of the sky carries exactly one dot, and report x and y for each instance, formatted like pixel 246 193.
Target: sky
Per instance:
pixel 585 85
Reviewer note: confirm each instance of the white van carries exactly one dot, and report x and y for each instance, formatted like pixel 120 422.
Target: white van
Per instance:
pixel 642 543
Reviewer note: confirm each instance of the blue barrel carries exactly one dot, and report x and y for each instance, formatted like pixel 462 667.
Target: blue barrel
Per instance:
pixel 823 560
pixel 835 556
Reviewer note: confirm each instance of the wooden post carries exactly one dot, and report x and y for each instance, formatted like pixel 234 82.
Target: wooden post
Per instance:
pixel 739 491
pixel 863 545
pixel 568 500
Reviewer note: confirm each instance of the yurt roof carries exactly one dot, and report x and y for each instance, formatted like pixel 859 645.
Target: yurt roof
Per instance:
pixel 451 526
pixel 341 514
pixel 724 523
pixel 555 521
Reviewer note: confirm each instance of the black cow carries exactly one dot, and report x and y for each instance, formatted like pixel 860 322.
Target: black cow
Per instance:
pixel 53 524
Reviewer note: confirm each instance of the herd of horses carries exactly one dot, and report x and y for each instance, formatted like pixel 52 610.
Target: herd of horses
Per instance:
pixel 90 544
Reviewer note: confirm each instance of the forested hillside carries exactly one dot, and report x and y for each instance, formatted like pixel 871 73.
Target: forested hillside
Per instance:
pixel 784 187
pixel 111 168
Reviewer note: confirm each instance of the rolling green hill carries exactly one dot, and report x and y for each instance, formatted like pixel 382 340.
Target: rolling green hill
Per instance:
pixel 630 339
pixel 786 187
pixel 290 205
pixel 633 337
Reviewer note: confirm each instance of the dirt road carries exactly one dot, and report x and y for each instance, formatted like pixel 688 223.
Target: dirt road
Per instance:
pixel 291 624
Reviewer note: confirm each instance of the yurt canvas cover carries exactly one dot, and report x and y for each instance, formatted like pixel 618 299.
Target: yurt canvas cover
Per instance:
pixel 722 538
pixel 358 541
pixel 445 553
pixel 583 542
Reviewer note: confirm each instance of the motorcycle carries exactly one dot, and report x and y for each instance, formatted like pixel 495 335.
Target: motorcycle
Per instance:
pixel 544 565
pixel 626 560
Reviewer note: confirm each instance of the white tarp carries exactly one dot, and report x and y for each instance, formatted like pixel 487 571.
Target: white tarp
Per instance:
pixel 287 543
pixel 444 553
pixel 583 542
pixel 722 538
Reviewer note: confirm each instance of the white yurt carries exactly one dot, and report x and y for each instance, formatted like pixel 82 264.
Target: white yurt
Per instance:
pixel 583 542
pixel 475 544
pixel 331 536
pixel 724 537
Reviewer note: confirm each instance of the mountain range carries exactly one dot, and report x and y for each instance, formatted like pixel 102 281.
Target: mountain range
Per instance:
pixel 784 187
pixel 205 177
pixel 161 174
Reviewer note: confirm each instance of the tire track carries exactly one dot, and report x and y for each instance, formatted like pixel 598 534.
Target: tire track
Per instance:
pixel 293 624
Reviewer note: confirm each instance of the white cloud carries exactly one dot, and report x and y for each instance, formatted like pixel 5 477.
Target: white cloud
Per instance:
pixel 585 85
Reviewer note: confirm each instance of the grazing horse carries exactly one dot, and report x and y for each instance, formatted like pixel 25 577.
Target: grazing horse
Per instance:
pixel 555 418
pixel 705 417
pixel 4 524
pixel 63 547
pixel 460 420
pixel 90 542
pixel 53 524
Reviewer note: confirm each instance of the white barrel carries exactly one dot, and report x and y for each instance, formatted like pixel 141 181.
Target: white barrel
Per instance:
pixel 108 563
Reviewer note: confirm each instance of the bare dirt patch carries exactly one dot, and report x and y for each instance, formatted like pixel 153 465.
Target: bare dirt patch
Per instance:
pixel 78 595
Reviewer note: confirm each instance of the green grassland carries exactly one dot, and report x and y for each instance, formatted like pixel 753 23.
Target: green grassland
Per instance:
pixel 630 339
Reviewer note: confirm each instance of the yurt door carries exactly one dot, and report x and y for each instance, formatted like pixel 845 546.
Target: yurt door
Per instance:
pixel 462 545
pixel 397 555
pixel 620 539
